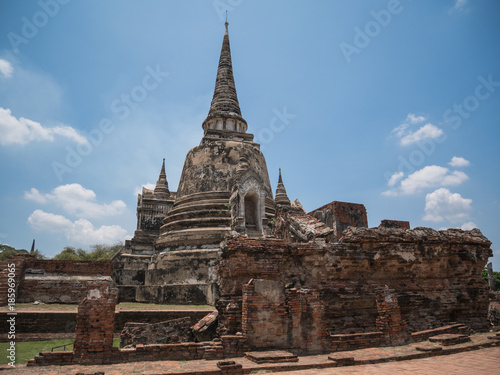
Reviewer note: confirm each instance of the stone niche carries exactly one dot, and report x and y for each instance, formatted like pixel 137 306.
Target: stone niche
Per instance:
pixel 271 289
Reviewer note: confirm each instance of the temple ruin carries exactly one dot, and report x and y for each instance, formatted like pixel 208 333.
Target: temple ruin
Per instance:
pixel 279 277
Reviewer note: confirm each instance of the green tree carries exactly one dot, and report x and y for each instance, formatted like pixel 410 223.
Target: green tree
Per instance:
pixel 7 251
pixel 97 252
pixel 496 277
pixel 69 253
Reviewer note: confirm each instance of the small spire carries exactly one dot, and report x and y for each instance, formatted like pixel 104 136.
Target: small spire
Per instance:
pixel 162 184
pixel 281 196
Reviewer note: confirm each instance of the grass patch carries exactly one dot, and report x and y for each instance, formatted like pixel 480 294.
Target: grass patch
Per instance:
pixel 29 349
pixel 27 307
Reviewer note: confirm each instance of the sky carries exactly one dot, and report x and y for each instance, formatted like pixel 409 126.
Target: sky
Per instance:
pixel 392 104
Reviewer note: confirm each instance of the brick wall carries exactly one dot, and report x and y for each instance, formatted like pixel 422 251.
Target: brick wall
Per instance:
pixel 48 280
pixel 95 323
pixel 341 215
pixel 435 278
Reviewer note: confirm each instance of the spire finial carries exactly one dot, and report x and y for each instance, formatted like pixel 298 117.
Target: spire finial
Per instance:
pixel 279 178
pixel 225 101
pixel 162 184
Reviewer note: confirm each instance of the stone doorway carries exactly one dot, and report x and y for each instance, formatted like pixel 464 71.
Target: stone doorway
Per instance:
pixel 252 211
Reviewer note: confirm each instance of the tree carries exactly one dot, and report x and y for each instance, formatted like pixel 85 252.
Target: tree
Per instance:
pixel 69 253
pixel 97 252
pixel 7 251
pixel 496 277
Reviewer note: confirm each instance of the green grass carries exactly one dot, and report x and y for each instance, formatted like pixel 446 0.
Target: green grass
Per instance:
pixel 29 349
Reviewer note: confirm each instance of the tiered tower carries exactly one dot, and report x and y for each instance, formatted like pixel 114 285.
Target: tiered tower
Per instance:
pixel 224 184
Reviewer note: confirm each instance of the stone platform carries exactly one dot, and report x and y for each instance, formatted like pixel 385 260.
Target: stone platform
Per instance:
pixel 273 356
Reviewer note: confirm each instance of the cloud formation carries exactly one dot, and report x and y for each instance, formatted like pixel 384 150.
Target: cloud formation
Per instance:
pixel 408 136
pixel 6 68
pixel 22 131
pixel 442 205
pixel 81 231
pixel 429 177
pixel 468 225
pixel 149 185
pixel 78 201
pixel 457 161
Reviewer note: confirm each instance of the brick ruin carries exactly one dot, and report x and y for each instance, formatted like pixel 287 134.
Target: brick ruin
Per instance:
pixel 382 283
pixel 52 281
pixel 373 287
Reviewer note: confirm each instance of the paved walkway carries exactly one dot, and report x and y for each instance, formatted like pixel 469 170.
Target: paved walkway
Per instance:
pixel 478 361
pixel 483 361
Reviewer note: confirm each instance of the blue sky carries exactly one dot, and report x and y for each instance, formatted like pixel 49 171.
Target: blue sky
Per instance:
pixel 393 104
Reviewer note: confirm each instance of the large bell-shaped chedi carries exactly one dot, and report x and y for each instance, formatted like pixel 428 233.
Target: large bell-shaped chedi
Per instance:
pixel 224 184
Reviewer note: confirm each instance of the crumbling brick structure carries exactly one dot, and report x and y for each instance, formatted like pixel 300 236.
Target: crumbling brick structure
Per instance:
pixel 95 323
pixel 434 279
pixel 52 281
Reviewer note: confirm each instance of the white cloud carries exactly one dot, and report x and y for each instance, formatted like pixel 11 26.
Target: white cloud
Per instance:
pixel 400 130
pixel 413 119
pixel 429 177
pixel 408 137
pixel 441 205
pixel 428 131
pixel 6 68
pixel 395 178
pixel 76 200
pixel 468 225
pixel 81 232
pixel 457 161
pixel 22 131
pixel 35 196
pixel 149 185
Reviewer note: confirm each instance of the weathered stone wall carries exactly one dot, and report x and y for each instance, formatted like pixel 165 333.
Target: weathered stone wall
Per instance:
pixel 56 289
pixel 436 277
pixel 130 269
pixel 341 215
pixel 50 281
pixel 168 332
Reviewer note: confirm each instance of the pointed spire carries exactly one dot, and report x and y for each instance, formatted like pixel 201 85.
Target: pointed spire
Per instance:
pixel 162 184
pixel 225 100
pixel 281 196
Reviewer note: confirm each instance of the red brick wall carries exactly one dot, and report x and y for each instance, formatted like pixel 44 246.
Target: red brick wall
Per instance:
pixel 42 287
pixel 95 323
pixel 436 277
